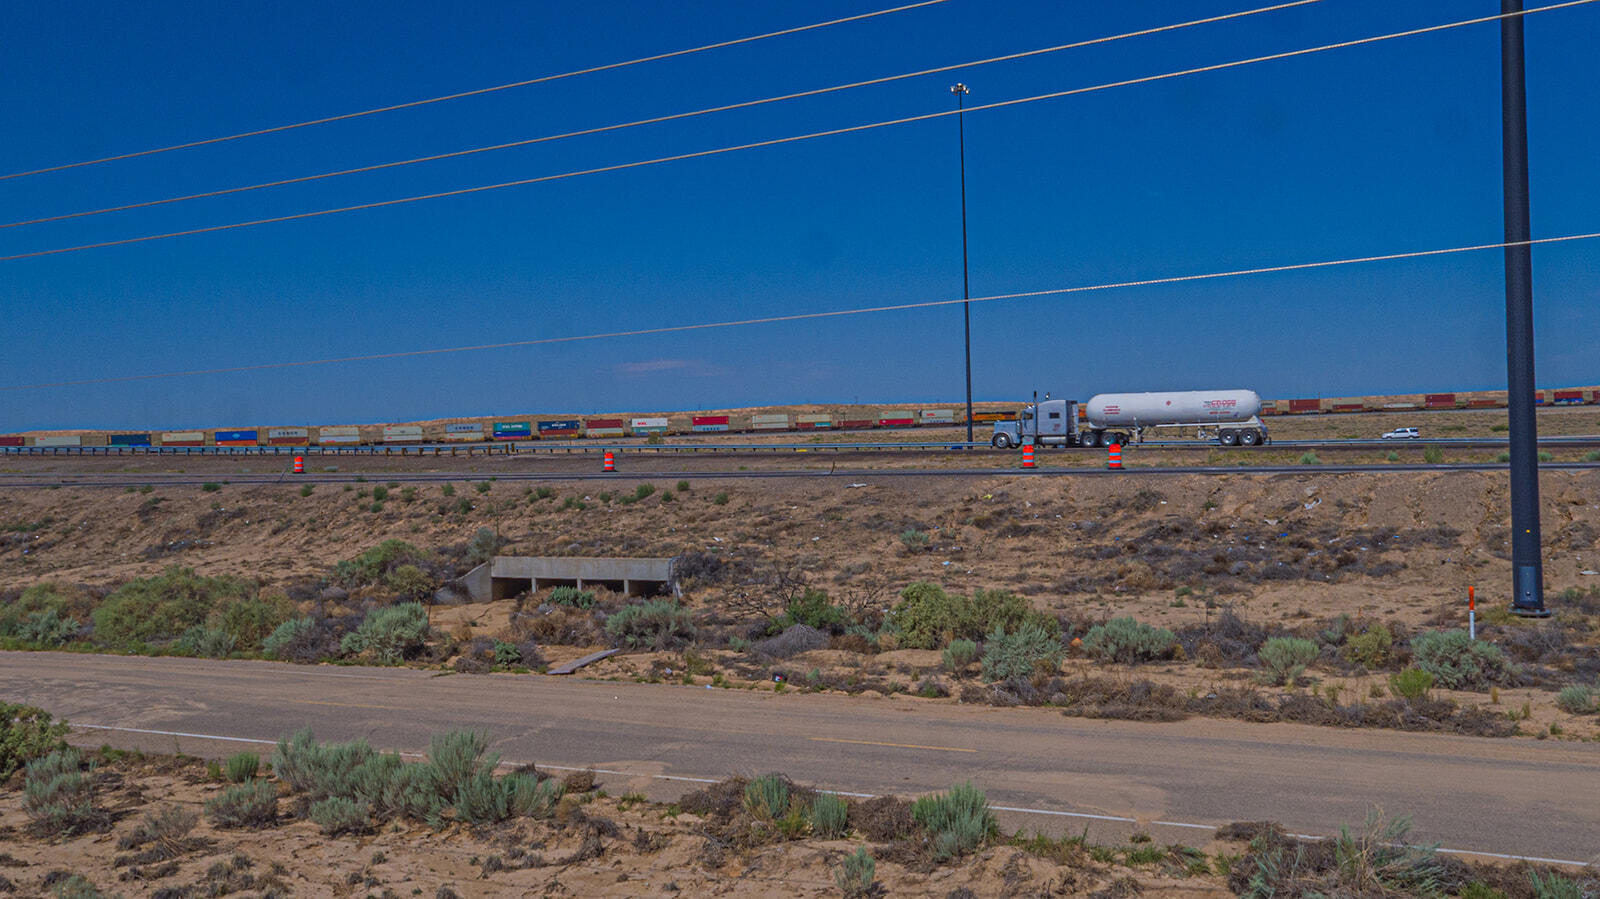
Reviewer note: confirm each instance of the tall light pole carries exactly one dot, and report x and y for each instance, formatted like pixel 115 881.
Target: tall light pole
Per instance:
pixel 960 90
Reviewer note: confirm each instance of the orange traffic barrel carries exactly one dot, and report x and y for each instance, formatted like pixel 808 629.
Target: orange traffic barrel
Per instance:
pixel 610 463
pixel 299 465
pixel 1114 457
pixel 1027 455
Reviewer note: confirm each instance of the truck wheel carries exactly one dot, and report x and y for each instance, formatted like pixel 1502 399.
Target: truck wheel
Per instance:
pixel 1229 438
pixel 1250 437
pixel 1001 441
pixel 1091 439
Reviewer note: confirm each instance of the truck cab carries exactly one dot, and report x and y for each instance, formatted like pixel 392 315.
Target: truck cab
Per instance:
pixel 1049 423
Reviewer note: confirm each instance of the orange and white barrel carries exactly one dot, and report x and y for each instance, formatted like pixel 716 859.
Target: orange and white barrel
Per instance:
pixel 610 462
pixel 299 464
pixel 1027 455
pixel 1114 457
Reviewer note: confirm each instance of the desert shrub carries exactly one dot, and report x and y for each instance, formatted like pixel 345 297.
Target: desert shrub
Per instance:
pixel 828 815
pixel 1457 662
pixel 1578 699
pixel 47 628
pixel 767 796
pixel 1555 886
pixel 380 493
pixel 1286 658
pixel 812 608
pixel 336 815
pixel 957 821
pixel 1378 861
pixel 959 654
pixel 993 609
pixel 166 830
pixel 659 624
pixel 163 606
pixel 1370 649
pixel 506 654
pixel 374 565
pixel 480 799
pixel 1433 455
pixel 251 621
pixel 794 640
pixel 1128 641
pixel 855 875
pixel 242 767
pixel 572 596
pixel 26 734
pixel 250 805
pixel 303 640
pixel 321 770
pixel 720 499
pixel 391 786
pixel 410 582
pixel 927 617
pixel 210 487
pixel 58 795
pixel 460 757
pixel 914 540
pixel 1019 654
pixel 1412 683
pixel 389 634
pixel 484 545
pixel 531 797
pixel 68 604
pixel 206 642
pixel 75 886
pixel 1309 459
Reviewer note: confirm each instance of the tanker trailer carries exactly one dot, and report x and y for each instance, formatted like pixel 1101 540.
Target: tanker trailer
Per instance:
pixel 1230 414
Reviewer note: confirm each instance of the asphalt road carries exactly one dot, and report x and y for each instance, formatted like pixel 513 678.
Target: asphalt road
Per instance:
pixel 1049 772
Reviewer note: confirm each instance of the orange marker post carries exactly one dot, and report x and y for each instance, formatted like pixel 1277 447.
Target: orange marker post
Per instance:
pixel 610 462
pixel 1027 455
pixel 1472 614
pixel 1114 457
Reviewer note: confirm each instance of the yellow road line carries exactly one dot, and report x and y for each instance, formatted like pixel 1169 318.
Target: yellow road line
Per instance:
pixel 895 745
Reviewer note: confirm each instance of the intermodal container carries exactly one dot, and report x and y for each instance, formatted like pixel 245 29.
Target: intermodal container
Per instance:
pixel 1401 406
pixel 235 438
pixel 937 417
pixel 130 439
pixel 856 424
pixel 183 438
pixel 1005 415
pixel 769 422
pixel 339 435
pixel 13 440
pixel 513 430
pixel 1595 398
pixel 1439 400
pixel 560 429
pixel 709 423
pixel 402 434
pixel 1538 398
pixel 1305 406
pixel 813 422
pixel 60 440
pixel 1569 397
pixel 1484 404
pixel 289 436
pixel 648 425
pixel 464 433
pixel 896 418
pixel 603 427
pixel 1349 407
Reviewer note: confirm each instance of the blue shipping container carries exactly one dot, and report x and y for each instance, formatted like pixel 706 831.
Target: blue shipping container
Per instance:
pixel 130 439
pixel 226 437
pixel 547 427
pixel 511 430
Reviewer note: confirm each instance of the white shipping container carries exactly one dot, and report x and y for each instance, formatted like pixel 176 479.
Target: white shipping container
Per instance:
pixel 776 422
pixel 287 433
pixel 69 440
pixel 938 417
pixel 402 434
pixel 648 424
pixel 170 438
pixel 469 433
pixel 341 435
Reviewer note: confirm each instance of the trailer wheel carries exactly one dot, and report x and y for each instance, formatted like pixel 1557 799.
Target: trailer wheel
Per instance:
pixel 1250 437
pixel 1229 438
pixel 1001 441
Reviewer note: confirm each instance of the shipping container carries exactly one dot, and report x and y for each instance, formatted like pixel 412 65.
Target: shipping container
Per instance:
pixel 339 435
pixel 709 423
pixel 1349 407
pixel 289 436
pixel 1485 404
pixel 896 418
pixel 396 434
pixel 13 440
pixel 59 440
pixel 1568 397
pixel 235 438
pixel 813 422
pixel 1538 398
pixel 183 438
pixel 937 417
pixel 1439 400
pixel 648 425
pixel 513 430
pixel 1305 406
pixel 130 439
pixel 769 422
pixel 463 433
pixel 604 427
pixel 1007 415
pixel 856 424
pixel 560 429
pixel 1595 397
pixel 1401 406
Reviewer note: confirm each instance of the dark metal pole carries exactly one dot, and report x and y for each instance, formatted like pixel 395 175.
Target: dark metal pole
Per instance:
pixel 960 90
pixel 1527 568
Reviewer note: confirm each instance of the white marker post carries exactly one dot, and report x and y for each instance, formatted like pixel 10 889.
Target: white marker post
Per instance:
pixel 1472 615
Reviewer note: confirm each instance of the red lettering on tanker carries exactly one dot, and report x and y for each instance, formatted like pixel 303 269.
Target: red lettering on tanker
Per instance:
pixel 1113 409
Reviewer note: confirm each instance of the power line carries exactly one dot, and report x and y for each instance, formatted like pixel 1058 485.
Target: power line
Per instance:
pixel 476 92
pixel 791 139
pixel 805 316
pixel 664 118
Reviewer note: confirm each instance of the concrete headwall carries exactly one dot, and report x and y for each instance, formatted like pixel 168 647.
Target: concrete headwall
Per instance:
pixel 505 576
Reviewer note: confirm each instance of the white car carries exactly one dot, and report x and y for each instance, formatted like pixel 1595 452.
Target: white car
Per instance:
pixel 1402 434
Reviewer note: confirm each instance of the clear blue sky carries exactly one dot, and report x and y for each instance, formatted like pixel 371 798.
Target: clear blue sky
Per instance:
pixel 1378 149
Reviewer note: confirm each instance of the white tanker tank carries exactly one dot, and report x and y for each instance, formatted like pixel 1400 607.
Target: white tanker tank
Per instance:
pixel 1232 413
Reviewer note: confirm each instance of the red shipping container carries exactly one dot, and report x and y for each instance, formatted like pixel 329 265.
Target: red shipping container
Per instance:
pixel 11 441
pixel 1305 405
pixel 856 424
pixel 711 419
pixel 1348 407
pixel 896 422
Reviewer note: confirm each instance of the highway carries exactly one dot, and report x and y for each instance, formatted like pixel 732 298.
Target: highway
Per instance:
pixel 1044 771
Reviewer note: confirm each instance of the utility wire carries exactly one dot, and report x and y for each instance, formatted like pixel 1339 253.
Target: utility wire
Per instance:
pixel 665 118
pixel 473 93
pixel 805 316
pixel 791 139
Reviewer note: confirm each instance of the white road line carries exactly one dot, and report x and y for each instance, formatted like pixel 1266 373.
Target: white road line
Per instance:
pixel 709 780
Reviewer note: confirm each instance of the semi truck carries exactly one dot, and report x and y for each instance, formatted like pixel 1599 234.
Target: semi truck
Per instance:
pixel 1231 417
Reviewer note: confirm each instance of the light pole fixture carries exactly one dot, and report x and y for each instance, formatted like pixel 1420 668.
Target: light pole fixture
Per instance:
pixel 960 90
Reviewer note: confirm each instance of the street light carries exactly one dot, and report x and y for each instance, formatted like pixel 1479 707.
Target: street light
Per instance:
pixel 960 90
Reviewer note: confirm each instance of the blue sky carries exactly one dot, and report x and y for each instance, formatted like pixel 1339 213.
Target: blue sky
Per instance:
pixel 1377 149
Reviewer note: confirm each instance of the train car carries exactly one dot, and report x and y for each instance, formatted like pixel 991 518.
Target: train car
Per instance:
pixel 59 440
pixel 560 429
pixel 605 427
pixel 139 439
pixel 1484 403
pixel 1297 407
pixel 1568 397
pixel 513 430
pixel 288 436
pixel 936 417
pixel 246 437
pixel 339 435
pixel 13 440
pixel 397 435
pixel 1006 415
pixel 1349 407
pixel 1439 400
pixel 707 424
pixel 464 433
pixel 183 438
pixel 769 422
pixel 813 422
pixel 896 418
pixel 648 426
pixel 1538 398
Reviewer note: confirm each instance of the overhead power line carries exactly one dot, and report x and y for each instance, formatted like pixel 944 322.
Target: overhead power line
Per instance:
pixel 474 93
pixel 378 204
pixel 807 316
pixel 665 118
